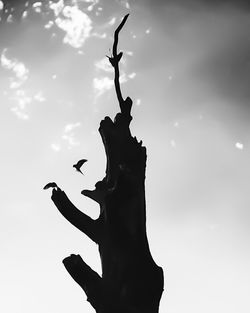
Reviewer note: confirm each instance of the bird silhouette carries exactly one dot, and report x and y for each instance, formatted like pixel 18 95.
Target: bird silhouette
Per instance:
pixel 79 164
pixel 50 185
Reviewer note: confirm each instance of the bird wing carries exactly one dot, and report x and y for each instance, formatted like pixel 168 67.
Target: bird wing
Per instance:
pixel 50 185
pixel 80 163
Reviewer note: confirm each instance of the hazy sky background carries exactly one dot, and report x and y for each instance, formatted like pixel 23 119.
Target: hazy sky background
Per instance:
pixel 187 68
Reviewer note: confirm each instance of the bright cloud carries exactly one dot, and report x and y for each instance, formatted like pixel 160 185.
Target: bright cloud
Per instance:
pixel 49 24
pixel 37 7
pixel 70 127
pixel 21 100
pixel 1 5
pixel 39 97
pixel 103 84
pixel 112 21
pixel 20 75
pixel 124 3
pixel 20 71
pixel 55 147
pixel 92 5
pixel 69 134
pixel 57 7
pixel 239 145
pixel 71 141
pixel 37 4
pixel 76 24
pixel 132 75
pixel 138 102
pixel 123 78
pixel 19 113
pixel 25 14
pixel 104 65
pixel 17 67
pixel 9 18
pixel 130 53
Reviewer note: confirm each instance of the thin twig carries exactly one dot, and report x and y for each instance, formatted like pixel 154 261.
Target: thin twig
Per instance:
pixel 114 60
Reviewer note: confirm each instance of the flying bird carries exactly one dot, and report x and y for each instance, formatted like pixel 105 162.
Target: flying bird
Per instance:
pixel 79 164
pixel 50 185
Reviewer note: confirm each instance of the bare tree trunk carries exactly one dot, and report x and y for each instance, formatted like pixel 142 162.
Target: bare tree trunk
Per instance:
pixel 131 282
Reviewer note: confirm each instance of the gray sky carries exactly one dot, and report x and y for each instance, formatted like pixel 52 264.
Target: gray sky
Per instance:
pixel 186 66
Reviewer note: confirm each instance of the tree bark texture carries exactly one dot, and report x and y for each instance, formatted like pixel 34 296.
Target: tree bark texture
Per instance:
pixel 131 282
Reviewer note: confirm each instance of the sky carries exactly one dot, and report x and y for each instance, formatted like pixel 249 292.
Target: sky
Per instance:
pixel 186 66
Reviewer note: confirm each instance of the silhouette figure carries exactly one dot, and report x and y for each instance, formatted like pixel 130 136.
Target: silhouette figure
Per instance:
pixel 131 282
pixel 79 164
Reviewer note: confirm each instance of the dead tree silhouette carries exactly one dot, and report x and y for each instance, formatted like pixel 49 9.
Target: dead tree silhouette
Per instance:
pixel 131 282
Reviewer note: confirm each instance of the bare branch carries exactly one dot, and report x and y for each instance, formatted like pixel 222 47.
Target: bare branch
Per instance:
pixel 114 60
pixel 117 34
pixel 80 220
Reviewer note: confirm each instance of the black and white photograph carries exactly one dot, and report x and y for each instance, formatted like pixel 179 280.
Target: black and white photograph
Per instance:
pixel 125 156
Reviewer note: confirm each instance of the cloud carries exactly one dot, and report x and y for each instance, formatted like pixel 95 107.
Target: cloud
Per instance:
pixel 22 100
pixel 57 7
pixel 104 83
pixel 19 96
pixel 19 113
pixel 92 5
pixel 1 5
pixel 76 24
pixel 39 97
pixel 17 67
pixel 101 85
pixel 132 75
pixel 70 127
pixel 37 7
pixel 49 25
pixel 69 134
pixel 9 18
pixel 138 101
pixel 124 3
pixel 104 65
pixel 56 147
pixel 239 145
pixel 130 53
pixel 37 4
pixel 25 14
pixel 112 21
